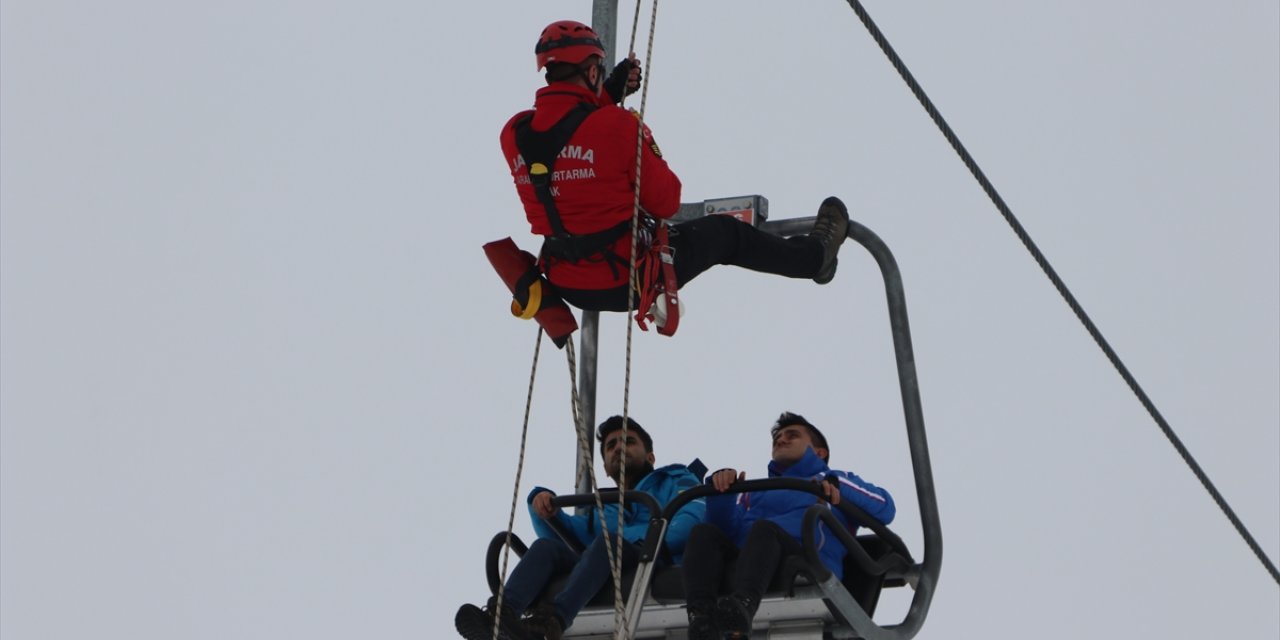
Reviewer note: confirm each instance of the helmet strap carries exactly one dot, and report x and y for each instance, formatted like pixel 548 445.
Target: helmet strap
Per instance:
pixel 584 71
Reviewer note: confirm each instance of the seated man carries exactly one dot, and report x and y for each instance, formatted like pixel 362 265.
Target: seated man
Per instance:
pixel 761 528
pixel 549 557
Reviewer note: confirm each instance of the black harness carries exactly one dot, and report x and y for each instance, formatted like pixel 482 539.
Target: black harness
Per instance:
pixel 540 150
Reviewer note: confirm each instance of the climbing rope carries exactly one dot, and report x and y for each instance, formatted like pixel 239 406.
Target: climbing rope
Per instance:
pixel 620 621
pixel 589 470
pixel 614 552
pixel 615 558
pixel 515 492
pixel 1066 294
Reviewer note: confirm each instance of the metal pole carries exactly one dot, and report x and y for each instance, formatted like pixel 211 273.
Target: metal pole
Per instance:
pixel 604 19
pixel 590 337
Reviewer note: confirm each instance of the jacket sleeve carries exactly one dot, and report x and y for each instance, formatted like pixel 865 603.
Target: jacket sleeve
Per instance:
pixel 576 524
pixel 659 186
pixel 689 515
pixel 875 501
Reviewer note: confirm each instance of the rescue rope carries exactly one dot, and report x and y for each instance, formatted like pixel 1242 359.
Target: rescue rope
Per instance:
pixel 581 429
pixel 615 559
pixel 1066 294
pixel 515 491
pixel 620 626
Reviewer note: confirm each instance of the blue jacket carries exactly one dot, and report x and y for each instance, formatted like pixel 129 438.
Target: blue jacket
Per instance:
pixel 735 513
pixel 663 484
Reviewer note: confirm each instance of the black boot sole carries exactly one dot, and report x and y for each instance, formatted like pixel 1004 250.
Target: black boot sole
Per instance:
pixel 473 623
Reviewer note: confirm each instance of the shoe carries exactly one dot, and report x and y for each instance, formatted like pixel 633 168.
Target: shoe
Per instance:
pixel 474 623
pixel 543 623
pixel 831 228
pixel 702 621
pixel 733 616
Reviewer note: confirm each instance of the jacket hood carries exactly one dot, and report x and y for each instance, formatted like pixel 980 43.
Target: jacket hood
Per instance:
pixel 667 471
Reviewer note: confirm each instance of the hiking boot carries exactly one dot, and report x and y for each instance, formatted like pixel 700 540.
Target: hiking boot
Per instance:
pixel 474 623
pixel 831 228
pixel 543 623
pixel 702 622
pixel 733 616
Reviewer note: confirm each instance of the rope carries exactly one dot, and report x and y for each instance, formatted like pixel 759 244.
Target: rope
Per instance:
pixel 620 622
pixel 1070 299
pixel 615 560
pixel 515 491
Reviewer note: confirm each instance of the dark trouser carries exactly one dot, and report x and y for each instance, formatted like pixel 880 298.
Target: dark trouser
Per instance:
pixel 708 552
pixel 548 558
pixel 717 239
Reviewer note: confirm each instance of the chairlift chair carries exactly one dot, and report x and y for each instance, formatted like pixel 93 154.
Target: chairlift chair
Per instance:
pixel 808 602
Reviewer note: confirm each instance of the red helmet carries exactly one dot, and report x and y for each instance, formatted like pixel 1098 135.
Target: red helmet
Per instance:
pixel 567 41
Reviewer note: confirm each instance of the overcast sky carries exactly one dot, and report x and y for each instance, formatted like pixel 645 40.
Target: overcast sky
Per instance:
pixel 257 380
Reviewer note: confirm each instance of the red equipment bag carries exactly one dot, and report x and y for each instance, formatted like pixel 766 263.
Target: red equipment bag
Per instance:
pixel 531 295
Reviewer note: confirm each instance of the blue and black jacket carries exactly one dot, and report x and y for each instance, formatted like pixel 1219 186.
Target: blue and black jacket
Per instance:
pixel 735 513
pixel 663 484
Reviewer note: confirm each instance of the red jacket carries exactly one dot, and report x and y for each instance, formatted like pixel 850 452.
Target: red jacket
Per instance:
pixel 594 179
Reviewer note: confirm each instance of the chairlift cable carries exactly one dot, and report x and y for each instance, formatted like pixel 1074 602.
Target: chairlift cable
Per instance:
pixel 1066 294
pixel 515 491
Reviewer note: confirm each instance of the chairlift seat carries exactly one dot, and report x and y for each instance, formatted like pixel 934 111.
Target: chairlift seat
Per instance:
pixel 793 598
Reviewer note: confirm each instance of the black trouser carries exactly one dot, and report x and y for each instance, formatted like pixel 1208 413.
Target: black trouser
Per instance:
pixel 711 240
pixel 708 552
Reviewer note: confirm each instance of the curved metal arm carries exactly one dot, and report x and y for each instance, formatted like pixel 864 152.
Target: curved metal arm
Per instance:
pixel 608 496
pixel 653 534
pixel 494 551
pixel 890 562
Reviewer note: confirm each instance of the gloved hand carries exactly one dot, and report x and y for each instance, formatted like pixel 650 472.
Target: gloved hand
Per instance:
pixel 625 77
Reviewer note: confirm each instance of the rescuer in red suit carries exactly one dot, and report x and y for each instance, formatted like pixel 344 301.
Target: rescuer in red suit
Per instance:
pixel 584 145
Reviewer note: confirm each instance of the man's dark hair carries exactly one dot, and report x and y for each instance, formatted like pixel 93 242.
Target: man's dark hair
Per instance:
pixel 615 424
pixel 788 419
pixel 560 71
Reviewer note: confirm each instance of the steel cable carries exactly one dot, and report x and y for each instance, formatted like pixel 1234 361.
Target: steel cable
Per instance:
pixel 1066 294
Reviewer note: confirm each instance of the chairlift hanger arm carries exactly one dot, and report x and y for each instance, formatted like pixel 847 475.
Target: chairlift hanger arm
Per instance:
pixel 925 572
